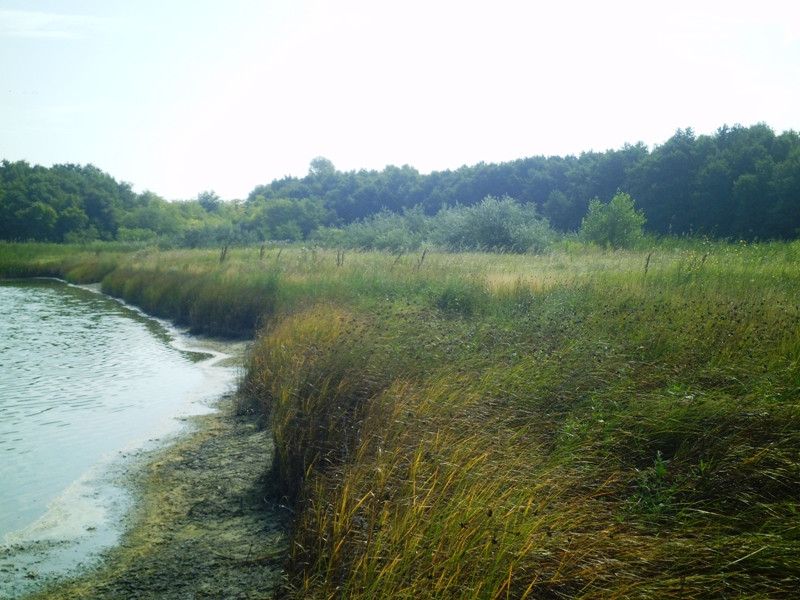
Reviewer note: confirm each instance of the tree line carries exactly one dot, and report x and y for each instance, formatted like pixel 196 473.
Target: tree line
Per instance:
pixel 740 182
pixel 80 203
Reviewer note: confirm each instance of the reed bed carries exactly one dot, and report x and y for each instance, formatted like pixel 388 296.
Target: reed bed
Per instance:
pixel 582 424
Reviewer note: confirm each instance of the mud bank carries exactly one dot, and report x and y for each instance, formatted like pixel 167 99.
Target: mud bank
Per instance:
pixel 203 526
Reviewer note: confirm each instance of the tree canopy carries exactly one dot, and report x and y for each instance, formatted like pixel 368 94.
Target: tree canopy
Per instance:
pixel 740 182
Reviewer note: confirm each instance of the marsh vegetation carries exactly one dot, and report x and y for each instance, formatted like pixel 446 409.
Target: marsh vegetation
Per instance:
pixel 582 423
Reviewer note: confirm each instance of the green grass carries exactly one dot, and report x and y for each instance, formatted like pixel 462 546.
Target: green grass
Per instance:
pixel 581 424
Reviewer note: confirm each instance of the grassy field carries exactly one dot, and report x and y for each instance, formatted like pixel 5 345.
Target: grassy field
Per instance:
pixel 580 424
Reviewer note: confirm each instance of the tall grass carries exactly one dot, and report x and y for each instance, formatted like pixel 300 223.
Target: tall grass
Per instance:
pixel 597 432
pixel 582 424
pixel 77 263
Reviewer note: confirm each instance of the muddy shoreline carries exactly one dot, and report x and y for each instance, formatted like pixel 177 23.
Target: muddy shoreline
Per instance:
pixel 203 525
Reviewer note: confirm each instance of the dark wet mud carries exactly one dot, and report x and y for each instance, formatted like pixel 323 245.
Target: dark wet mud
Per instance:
pixel 204 526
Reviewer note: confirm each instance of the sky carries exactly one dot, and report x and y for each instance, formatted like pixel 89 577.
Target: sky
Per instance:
pixel 177 97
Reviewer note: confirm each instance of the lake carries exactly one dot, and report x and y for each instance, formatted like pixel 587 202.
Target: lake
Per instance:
pixel 86 385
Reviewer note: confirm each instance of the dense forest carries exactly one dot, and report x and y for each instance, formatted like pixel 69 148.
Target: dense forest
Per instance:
pixel 739 183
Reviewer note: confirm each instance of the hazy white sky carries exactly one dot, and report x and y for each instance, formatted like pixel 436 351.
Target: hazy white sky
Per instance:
pixel 179 96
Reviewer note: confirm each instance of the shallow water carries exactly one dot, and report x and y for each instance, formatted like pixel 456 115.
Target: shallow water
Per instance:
pixel 85 384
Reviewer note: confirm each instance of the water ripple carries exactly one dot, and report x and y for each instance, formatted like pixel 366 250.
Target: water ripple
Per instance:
pixel 80 377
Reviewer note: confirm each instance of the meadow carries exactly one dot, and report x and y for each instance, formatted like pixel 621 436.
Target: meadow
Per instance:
pixel 575 424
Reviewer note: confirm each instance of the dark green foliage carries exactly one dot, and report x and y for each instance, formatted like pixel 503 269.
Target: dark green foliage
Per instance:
pixel 283 219
pixel 210 201
pixel 739 183
pixel 74 202
pixel 81 204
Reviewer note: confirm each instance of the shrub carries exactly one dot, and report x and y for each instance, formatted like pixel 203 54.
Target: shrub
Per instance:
pixel 615 225
pixel 493 224
pixel 384 230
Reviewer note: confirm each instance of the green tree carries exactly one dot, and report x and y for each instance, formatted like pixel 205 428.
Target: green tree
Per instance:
pixel 615 225
pixel 563 212
pixel 210 201
pixel 664 180
pixel 153 216
pixel 284 218
pixel 39 220
pixel 785 214
pixel 71 219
